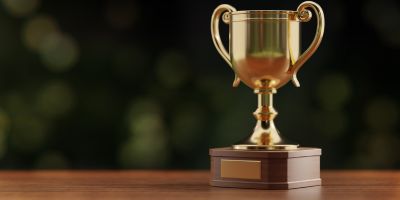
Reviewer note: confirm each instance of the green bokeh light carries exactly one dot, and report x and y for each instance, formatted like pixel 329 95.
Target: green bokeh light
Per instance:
pixel 59 52
pixel 333 91
pixel 144 152
pixel 36 30
pixel 147 144
pixel 172 69
pixel 55 99
pixel 144 117
pixel 188 122
pixel 21 8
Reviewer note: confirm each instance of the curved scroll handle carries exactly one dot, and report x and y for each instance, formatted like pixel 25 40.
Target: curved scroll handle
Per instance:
pixel 305 15
pixel 222 9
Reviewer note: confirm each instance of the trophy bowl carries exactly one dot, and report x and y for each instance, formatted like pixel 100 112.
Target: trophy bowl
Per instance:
pixel 264 45
pixel 264 52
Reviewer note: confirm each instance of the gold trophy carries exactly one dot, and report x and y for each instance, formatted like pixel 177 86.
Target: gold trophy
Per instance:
pixel 264 52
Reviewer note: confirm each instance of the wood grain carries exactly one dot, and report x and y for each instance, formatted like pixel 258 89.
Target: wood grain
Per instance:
pixel 185 185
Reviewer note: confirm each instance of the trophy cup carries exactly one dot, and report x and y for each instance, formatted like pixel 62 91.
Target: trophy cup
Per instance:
pixel 264 52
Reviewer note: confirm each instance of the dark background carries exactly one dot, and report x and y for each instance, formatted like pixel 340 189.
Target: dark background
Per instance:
pixel 139 84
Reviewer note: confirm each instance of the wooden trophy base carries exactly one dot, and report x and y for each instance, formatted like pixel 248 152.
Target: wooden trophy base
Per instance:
pixel 263 169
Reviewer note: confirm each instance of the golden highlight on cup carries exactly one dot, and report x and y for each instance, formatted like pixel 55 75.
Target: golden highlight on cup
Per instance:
pixel 265 54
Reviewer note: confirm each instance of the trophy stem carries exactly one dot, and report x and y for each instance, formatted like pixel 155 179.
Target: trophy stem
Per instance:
pixel 265 135
pixel 265 110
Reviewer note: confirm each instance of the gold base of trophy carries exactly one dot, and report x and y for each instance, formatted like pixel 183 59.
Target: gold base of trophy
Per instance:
pixel 265 169
pixel 265 147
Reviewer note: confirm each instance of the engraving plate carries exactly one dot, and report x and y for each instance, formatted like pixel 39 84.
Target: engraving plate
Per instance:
pixel 244 169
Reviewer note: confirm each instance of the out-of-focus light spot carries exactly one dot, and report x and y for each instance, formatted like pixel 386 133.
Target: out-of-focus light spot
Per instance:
pixel 333 91
pixel 144 152
pixel 144 117
pixel 172 69
pixel 59 52
pixel 147 144
pixel 385 22
pixel 51 160
pixel 382 114
pixel 377 150
pixel 20 8
pixel 54 99
pixel 129 61
pixel 37 30
pixel 145 123
pixel 332 124
pixel 187 126
pixel 28 133
pixel 121 14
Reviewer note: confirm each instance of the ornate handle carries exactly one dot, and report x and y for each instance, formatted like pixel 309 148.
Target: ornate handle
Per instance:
pixel 305 15
pixel 222 9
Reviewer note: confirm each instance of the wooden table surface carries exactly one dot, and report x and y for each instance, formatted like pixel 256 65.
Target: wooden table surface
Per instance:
pixel 186 185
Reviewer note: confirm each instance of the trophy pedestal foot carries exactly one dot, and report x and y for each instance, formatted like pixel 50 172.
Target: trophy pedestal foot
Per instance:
pixel 265 169
pixel 265 147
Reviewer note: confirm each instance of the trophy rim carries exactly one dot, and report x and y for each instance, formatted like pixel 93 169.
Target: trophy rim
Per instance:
pixel 243 15
pixel 264 11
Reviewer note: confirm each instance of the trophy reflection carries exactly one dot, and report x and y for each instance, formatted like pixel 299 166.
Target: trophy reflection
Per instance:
pixel 264 52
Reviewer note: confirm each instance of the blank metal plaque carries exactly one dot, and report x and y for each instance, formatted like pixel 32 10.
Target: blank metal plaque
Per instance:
pixel 243 169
